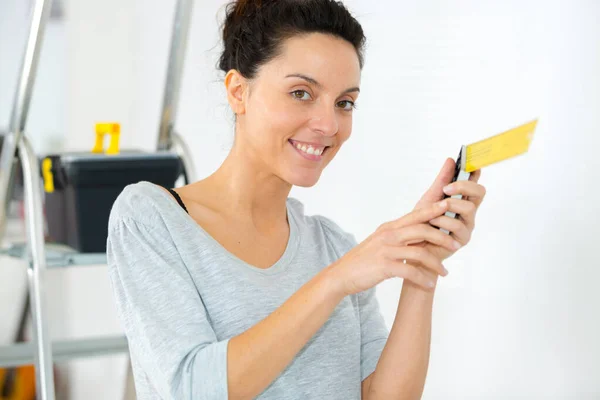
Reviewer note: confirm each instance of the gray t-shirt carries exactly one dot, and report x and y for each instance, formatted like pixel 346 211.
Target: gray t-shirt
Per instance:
pixel 181 296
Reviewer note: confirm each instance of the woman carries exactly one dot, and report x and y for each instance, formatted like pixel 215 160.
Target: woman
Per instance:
pixel 235 292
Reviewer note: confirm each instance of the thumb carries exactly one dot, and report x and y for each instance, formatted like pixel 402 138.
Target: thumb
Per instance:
pixel 435 192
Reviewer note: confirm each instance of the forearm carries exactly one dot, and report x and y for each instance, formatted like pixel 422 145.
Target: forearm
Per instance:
pixel 256 357
pixel 402 366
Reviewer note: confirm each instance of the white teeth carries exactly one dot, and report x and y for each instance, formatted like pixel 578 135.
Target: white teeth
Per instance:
pixel 309 149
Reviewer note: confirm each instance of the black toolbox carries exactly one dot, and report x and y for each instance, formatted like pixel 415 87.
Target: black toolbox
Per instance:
pixel 82 187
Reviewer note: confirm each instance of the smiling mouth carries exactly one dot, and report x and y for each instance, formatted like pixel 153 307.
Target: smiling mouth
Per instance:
pixel 308 149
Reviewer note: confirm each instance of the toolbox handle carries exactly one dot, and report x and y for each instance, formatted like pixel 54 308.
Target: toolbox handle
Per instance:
pixel 107 128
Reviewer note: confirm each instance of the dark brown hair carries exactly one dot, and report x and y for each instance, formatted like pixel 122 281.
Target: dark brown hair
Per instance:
pixel 254 30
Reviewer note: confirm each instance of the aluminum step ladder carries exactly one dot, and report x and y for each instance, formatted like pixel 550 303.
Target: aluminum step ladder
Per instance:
pixel 38 255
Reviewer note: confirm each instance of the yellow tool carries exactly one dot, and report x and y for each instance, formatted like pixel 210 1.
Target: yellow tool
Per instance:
pixel 490 151
pixel 107 128
pixel 500 147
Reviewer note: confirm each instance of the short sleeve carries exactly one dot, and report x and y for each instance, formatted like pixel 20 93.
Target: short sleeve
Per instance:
pixel 164 318
pixel 373 330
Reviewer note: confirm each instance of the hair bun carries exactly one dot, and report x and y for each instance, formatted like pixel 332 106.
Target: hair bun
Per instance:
pixel 247 7
pixel 253 30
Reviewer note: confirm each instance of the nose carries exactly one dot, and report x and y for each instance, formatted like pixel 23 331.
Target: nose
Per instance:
pixel 325 120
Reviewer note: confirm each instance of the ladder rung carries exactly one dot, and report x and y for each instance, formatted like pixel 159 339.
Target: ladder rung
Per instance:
pixel 63 350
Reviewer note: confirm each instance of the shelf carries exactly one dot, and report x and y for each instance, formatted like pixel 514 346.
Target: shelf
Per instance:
pixel 63 350
pixel 57 255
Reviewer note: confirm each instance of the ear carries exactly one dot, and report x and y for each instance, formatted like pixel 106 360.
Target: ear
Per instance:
pixel 236 87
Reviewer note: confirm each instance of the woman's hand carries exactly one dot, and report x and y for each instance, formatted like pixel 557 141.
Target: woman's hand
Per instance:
pixel 386 253
pixel 461 227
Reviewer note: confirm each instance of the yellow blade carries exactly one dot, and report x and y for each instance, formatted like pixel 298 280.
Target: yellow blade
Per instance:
pixel 500 147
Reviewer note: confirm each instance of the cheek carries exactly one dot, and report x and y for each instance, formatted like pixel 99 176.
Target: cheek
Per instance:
pixel 287 118
pixel 259 121
pixel 276 120
pixel 345 128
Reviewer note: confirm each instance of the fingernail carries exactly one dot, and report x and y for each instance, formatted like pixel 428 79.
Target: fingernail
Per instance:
pixel 445 271
pixel 456 245
pixel 448 189
pixel 443 204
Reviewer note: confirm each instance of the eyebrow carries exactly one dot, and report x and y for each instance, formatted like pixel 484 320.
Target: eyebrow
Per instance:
pixel 314 82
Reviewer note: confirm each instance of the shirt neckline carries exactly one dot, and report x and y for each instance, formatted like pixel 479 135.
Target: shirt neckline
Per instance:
pixel 280 265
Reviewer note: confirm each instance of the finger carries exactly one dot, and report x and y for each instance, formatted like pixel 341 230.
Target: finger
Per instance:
pixel 455 226
pixel 474 191
pixel 435 193
pixel 416 256
pixel 397 269
pixel 465 208
pixel 475 176
pixel 421 215
pixel 419 233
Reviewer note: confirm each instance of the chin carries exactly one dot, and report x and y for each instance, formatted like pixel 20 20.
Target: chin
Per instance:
pixel 304 181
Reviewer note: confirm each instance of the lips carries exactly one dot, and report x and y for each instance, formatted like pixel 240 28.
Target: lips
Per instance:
pixel 308 147
pixel 309 151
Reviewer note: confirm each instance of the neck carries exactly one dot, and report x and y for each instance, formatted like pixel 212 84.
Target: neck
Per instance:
pixel 247 190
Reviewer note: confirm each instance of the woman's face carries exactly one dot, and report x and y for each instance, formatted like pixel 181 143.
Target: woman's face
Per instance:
pixel 297 112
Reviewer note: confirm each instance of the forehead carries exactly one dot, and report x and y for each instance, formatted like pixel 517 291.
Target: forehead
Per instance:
pixel 330 60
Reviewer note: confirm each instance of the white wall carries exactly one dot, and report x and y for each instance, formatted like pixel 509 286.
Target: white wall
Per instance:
pixel 518 315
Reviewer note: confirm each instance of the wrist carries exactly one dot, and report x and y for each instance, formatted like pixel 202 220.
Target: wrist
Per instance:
pixel 432 276
pixel 331 284
pixel 413 292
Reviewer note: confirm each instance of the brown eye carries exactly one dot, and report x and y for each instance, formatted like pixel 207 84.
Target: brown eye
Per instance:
pixel 301 95
pixel 347 105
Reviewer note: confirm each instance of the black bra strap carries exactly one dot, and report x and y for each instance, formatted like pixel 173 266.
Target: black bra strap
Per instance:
pixel 174 193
